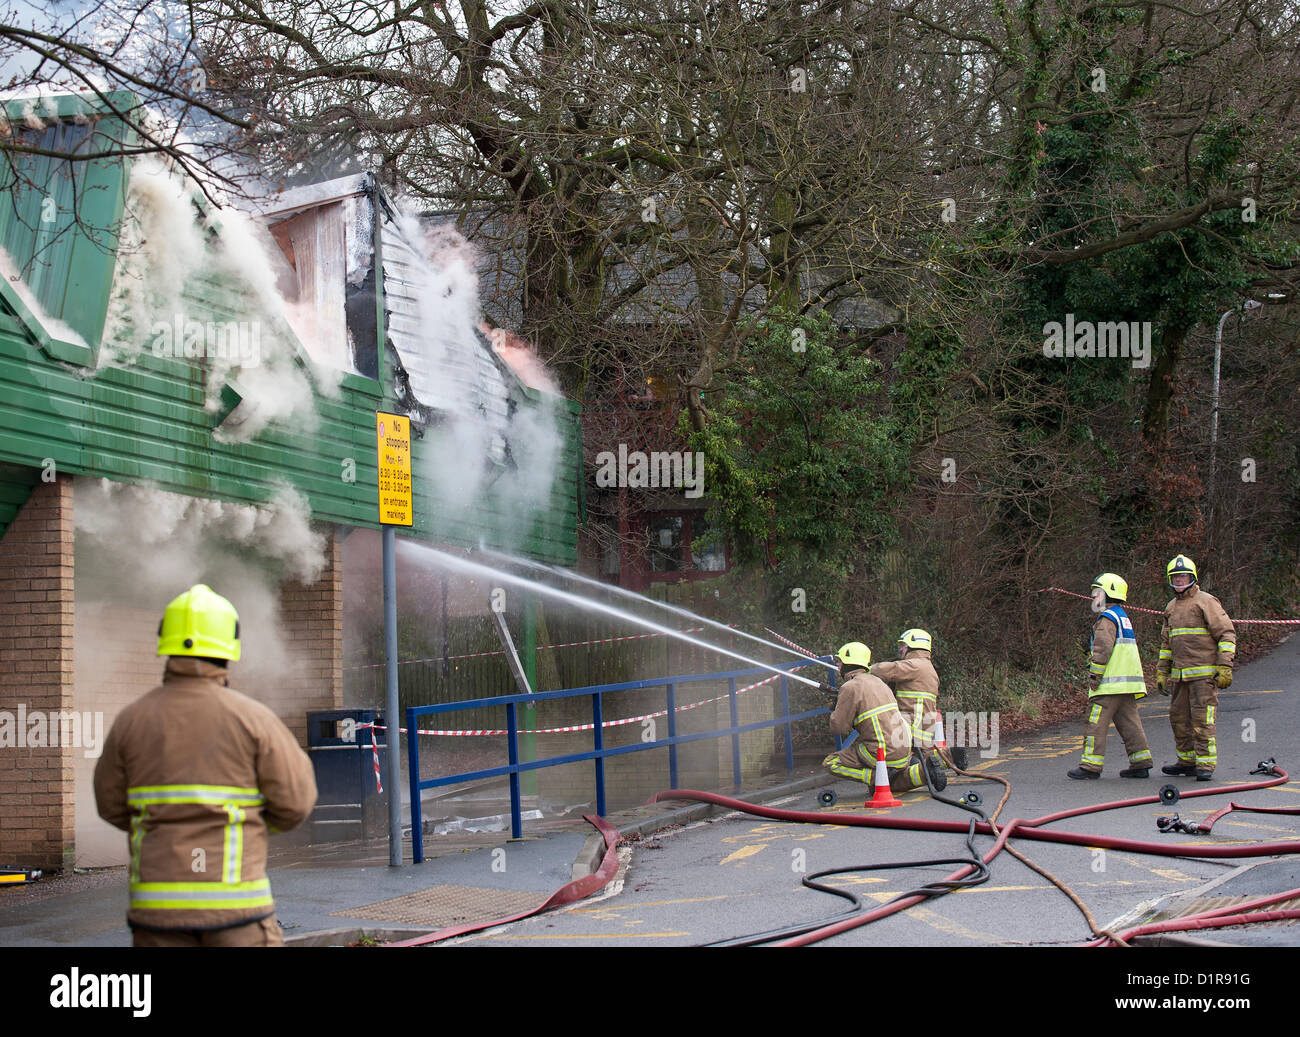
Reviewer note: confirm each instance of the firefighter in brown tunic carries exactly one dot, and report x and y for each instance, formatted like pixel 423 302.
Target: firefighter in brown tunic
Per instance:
pixel 197 773
pixel 866 706
pixel 1197 649
pixel 915 685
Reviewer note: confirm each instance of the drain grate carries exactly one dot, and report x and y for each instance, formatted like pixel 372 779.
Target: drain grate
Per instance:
pixel 446 905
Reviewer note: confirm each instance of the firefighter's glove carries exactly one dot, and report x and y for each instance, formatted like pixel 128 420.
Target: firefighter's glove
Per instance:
pixel 1162 680
pixel 1093 684
pixel 823 686
pixel 1224 678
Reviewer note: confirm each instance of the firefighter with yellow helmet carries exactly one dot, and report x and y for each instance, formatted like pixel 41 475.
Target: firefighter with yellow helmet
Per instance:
pixel 197 773
pixel 865 706
pixel 1197 648
pixel 1115 683
pixel 915 684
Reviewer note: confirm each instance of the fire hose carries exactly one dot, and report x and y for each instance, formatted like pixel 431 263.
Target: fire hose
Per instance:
pixel 1030 829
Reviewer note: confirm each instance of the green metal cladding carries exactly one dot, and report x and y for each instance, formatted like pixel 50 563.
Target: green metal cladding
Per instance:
pixel 149 422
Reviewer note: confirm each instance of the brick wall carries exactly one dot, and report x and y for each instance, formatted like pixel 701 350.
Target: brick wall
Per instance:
pixel 36 675
pixel 313 626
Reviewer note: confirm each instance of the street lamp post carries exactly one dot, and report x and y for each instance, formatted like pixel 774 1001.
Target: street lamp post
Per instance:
pixel 1249 304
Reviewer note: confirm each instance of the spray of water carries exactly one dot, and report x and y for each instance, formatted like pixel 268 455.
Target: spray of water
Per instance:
pixel 488 572
pixel 677 610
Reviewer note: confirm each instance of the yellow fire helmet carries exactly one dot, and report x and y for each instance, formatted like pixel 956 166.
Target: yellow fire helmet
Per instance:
pixel 1113 585
pixel 200 622
pixel 855 653
pixel 915 638
pixel 1180 564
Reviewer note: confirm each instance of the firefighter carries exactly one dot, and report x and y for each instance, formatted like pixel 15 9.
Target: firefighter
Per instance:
pixel 1115 683
pixel 915 685
pixel 1197 648
pixel 866 706
pixel 197 773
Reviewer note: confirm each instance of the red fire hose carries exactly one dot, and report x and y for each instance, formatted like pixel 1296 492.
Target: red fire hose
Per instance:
pixel 1027 829
pixel 573 891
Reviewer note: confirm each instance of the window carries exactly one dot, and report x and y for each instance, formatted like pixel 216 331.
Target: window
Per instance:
pixel 707 557
pixel 59 221
pixel 679 544
pixel 665 543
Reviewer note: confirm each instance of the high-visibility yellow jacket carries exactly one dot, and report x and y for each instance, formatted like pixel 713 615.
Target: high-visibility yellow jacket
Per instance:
pixel 916 688
pixel 1115 667
pixel 1197 636
pixel 196 772
pixel 865 704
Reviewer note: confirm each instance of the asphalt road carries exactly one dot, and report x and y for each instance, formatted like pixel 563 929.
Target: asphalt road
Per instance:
pixel 735 875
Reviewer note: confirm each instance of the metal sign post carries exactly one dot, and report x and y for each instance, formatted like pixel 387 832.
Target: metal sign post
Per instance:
pixel 393 438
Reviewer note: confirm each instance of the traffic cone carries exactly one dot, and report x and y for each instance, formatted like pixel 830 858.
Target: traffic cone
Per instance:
pixel 882 796
pixel 939 740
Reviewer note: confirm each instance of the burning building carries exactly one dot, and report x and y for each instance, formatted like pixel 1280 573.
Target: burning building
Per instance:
pixel 188 393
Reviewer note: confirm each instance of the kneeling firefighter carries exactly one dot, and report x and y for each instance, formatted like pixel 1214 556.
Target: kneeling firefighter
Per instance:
pixel 915 685
pixel 198 773
pixel 865 705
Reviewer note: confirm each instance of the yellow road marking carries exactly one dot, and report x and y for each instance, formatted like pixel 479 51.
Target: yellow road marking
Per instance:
pixel 743 852
pixel 585 936
pixel 664 903
pixel 1167 874
pixel 854 880
pixel 1255 824
pixel 937 921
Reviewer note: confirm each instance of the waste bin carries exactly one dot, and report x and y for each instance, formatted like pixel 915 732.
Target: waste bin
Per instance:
pixel 348 806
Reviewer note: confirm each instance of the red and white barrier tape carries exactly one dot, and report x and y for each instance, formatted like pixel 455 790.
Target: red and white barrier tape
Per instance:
pixel 589 727
pixel 374 748
pixel 1160 612
pixel 790 644
pixel 481 655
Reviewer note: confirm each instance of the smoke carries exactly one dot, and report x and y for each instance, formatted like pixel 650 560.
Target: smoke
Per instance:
pixel 179 276
pixel 139 546
pixel 489 458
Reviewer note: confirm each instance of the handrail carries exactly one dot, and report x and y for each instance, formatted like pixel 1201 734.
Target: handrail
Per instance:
pixel 598 753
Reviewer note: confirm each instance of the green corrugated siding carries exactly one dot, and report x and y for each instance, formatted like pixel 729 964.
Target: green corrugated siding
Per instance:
pixel 148 423
pixel 59 220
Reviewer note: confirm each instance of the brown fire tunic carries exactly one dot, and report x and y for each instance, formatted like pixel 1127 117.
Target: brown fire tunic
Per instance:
pixel 916 687
pixel 197 773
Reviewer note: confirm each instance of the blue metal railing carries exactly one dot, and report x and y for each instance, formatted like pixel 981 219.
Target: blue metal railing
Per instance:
pixel 598 753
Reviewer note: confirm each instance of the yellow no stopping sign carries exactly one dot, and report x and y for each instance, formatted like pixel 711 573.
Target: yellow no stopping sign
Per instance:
pixel 393 435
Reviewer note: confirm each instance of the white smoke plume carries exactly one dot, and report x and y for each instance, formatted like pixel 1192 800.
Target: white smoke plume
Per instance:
pixel 168 255
pixel 477 449
pixel 141 546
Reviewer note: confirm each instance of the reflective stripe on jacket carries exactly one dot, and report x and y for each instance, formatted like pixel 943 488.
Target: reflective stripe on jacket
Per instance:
pixel 916 687
pixel 196 773
pixel 1115 664
pixel 865 704
pixel 1197 636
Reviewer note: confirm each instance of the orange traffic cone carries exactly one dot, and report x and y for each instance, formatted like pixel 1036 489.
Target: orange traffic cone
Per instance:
pixel 882 796
pixel 939 740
